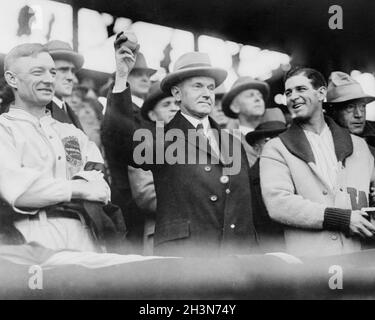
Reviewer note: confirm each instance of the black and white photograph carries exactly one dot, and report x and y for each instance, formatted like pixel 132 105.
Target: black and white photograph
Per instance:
pixel 187 156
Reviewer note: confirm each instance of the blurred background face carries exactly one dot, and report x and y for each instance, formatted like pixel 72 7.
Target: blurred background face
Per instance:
pixel 64 78
pixel 87 115
pixel 35 79
pixel 259 144
pixel 217 113
pixel 303 100
pixel 196 95
pixel 76 99
pixel 353 116
pixel 139 82
pixel 165 110
pixel 249 103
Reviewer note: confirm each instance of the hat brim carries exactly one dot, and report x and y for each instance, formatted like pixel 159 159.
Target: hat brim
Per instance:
pixel 253 136
pixel 219 75
pixel 72 56
pixel 228 98
pixel 150 103
pixel 366 99
pixel 149 71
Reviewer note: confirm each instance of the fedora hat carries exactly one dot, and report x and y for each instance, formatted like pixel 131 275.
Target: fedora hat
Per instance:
pixel 273 123
pixel 241 84
pixel 193 64
pixel 140 64
pixel 343 88
pixel 154 96
pixel 220 91
pixel 60 50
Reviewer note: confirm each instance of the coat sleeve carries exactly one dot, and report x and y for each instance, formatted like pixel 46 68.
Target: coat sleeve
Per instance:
pixel 287 207
pixel 142 188
pixel 120 131
pixel 23 187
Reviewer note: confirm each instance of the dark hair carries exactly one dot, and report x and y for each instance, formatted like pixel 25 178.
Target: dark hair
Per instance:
pixel 6 96
pixel 316 78
pixel 23 50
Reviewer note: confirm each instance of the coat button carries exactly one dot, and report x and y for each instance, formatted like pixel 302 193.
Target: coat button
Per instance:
pixel 333 237
pixel 59 158
pixel 227 191
pixel 341 189
pixel 207 168
pixel 213 198
pixel 50 137
pixel 232 226
pixel 325 192
pixel 224 179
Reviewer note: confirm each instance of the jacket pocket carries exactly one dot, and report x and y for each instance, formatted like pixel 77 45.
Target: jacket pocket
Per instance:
pixel 172 231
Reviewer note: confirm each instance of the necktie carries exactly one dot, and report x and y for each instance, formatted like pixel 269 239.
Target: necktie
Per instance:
pixel 212 143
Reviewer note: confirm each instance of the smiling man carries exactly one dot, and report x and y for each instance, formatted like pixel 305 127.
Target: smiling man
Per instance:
pixel 315 177
pixel 200 210
pixel 67 62
pixel 346 104
pixel 42 160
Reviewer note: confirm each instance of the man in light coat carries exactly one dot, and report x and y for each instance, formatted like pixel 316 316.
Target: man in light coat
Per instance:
pixel 315 177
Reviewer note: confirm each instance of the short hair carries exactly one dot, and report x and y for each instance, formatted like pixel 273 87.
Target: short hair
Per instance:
pixel 23 50
pixel 316 78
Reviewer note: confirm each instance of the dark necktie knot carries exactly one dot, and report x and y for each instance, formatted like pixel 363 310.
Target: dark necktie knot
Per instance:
pixel 199 127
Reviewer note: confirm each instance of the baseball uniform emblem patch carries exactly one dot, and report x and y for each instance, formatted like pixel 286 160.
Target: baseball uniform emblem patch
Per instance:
pixel 72 151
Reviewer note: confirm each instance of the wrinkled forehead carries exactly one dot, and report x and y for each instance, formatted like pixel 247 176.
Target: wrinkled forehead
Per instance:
pixel 41 60
pixel 296 81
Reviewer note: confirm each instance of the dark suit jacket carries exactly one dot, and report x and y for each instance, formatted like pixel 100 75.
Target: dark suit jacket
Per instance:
pixel 198 213
pixel 62 116
pixel 121 191
pixel 270 234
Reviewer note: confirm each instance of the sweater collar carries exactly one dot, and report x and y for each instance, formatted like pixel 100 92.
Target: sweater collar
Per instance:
pixel 297 144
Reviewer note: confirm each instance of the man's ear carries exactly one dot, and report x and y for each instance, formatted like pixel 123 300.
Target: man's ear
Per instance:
pixel 11 79
pixel 176 92
pixel 322 93
pixel 234 107
pixel 151 115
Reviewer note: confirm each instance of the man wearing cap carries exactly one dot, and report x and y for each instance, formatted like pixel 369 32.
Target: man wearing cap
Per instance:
pixel 245 101
pixel 139 80
pixel 67 62
pixel 45 164
pixel 270 234
pixel 200 210
pixel 346 104
pixel 158 106
pixel 315 177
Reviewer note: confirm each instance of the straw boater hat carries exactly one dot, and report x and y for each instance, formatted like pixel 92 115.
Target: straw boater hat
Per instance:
pixel 154 96
pixel 192 64
pixel 241 84
pixel 140 64
pixel 60 50
pixel 273 123
pixel 343 88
